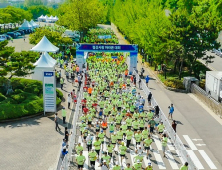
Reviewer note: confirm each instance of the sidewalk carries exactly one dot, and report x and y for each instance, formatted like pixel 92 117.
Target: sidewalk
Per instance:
pixel 33 143
pixel 193 120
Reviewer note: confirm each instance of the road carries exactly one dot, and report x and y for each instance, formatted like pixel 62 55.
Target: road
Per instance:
pixel 217 62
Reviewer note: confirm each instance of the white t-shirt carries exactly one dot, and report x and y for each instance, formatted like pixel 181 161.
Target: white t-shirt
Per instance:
pixel 69 99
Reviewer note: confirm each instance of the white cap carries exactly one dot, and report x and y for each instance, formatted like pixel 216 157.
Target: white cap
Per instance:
pixel 114 133
pixel 104 161
pixel 138 161
pixel 117 162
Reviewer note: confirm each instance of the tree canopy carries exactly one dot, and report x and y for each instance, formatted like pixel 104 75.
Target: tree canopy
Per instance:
pixel 53 36
pixel 81 14
pixel 15 63
pixel 12 14
pixel 39 10
pixel 183 36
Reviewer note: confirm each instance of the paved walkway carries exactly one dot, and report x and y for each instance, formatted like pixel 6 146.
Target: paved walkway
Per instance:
pixel 33 144
pixel 193 121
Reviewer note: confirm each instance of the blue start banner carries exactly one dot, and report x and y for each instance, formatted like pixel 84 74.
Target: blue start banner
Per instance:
pixel 106 48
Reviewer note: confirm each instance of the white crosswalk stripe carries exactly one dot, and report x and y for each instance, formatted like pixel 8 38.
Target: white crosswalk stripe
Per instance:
pixel 171 160
pixel 189 142
pixel 195 159
pixel 207 159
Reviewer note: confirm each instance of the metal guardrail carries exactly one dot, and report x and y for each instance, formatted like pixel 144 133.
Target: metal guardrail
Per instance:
pixel 214 105
pixel 68 157
pixel 181 150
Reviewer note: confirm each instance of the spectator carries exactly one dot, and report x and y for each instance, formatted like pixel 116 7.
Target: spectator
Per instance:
pixel 147 80
pixel 149 98
pixel 174 125
pixel 171 110
pixel 69 100
pixel 57 122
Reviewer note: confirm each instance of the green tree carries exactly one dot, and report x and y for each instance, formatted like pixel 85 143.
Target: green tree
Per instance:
pixel 81 14
pixel 53 36
pixel 38 10
pixel 29 3
pixel 15 63
pixel 14 15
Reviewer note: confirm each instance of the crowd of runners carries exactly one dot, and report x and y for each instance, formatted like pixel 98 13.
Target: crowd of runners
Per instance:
pixel 114 112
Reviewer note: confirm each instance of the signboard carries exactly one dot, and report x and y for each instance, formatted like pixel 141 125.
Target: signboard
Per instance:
pixel 132 62
pixel 49 92
pixel 106 48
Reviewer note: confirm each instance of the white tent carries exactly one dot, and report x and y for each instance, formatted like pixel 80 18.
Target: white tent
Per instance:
pixel 44 63
pixel 25 26
pixel 33 24
pixel 45 46
pixel 56 18
pixel 52 60
pixel 41 18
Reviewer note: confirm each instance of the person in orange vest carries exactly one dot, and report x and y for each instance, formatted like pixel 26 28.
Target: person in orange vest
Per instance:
pixel 104 125
pixel 90 90
pixel 126 73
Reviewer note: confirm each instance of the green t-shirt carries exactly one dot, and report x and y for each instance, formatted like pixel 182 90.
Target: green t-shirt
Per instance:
pixel 138 166
pixel 150 115
pixel 136 115
pixel 129 134
pixel 92 156
pixel 124 128
pixel 117 167
pixel 119 134
pixel 138 157
pixel 79 148
pixel 118 118
pixel 107 158
pixel 101 136
pixel 80 159
pixel 183 167
pixel 110 148
pixel 160 128
pixel 135 124
pixel 114 138
pixel 164 141
pixel 138 137
pixel 128 168
pixel 145 134
pixel 111 127
pixel 147 142
pixel 152 123
pixel 122 150
pixel 129 121
pixel 97 145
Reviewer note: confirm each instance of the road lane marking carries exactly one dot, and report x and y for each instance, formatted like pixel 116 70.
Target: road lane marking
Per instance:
pixel 207 159
pixel 171 160
pixel 195 160
pixel 189 142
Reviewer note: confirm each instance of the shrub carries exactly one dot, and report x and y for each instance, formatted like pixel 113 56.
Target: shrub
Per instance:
pixel 27 99
pixel 174 83
pixel 2 97
pixel 59 94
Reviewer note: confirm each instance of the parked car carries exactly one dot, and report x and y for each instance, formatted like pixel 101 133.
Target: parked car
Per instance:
pixel 7 36
pixel 3 38
pixel 21 32
pixel 17 33
pixel 12 34
pixel 218 52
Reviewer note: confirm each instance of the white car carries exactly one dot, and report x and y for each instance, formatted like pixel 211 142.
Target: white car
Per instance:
pixel 218 52
pixel 3 38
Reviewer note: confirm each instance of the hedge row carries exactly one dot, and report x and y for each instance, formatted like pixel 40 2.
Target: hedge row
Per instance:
pixel 27 99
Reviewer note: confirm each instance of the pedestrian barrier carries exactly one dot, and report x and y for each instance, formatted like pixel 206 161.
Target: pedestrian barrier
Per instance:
pixel 210 102
pixel 182 152
pixel 68 157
